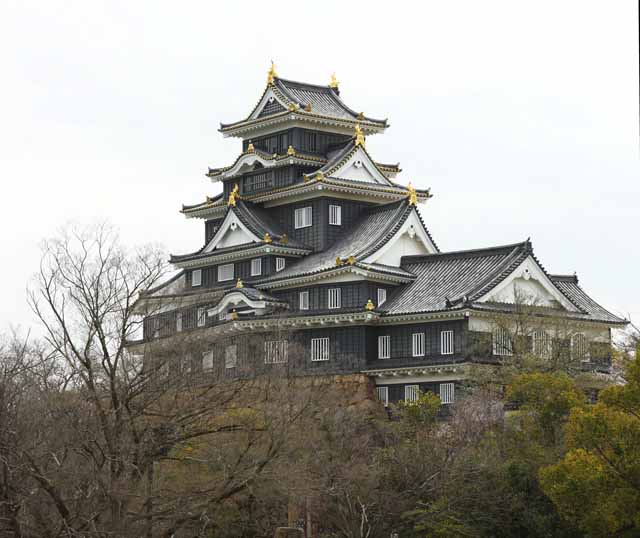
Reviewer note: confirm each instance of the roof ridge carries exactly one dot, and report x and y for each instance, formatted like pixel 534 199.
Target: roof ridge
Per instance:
pixel 471 252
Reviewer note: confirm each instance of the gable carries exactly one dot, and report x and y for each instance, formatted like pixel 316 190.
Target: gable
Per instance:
pixel 268 105
pixel 360 167
pixel 232 232
pixel 410 240
pixel 529 284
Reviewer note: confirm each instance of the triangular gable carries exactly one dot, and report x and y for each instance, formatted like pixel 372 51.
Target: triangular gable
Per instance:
pixel 359 167
pixel 245 163
pixel 530 284
pixel 238 299
pixel 270 104
pixel 232 232
pixel 410 240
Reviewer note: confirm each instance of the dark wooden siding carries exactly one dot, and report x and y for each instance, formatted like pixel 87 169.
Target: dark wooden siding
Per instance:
pixel 354 295
pixel 210 229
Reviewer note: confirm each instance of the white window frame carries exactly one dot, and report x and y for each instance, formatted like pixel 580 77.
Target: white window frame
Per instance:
pixel 334 298
pixel 303 217
pixel 320 349
pixel 303 300
pixel 384 346
pixel 207 360
pixel 417 344
pixel 196 277
pixel 280 264
pixel 382 296
pixel 383 395
pixel 502 345
pixel 178 322
pixel 447 393
pixel 231 356
pixel 335 215
pixel 276 352
pixel 223 272
pixel 256 266
pixel 201 317
pixel 411 393
pixel 542 344
pixel 447 342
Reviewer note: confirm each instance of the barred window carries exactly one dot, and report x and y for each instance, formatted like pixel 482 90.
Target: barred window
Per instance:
pixel 382 296
pixel 334 298
pixel 447 393
pixel 196 277
pixel 304 300
pixel 411 393
pixel 502 342
pixel 335 215
pixel 446 342
pixel 303 217
pixel 222 316
pixel 225 272
pixel 542 344
pixel 207 360
pixel 275 352
pixel 156 327
pixel 319 349
pixel 178 322
pixel 383 395
pixel 280 263
pixel 580 347
pixel 202 317
pixel 418 344
pixel 256 267
pixel 384 347
pixel 231 356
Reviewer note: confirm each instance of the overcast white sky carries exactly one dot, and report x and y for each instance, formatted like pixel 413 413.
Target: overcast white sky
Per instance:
pixel 521 116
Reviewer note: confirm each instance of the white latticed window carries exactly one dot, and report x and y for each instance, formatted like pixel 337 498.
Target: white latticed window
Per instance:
pixel 411 393
pixel 382 296
pixel 202 317
pixel 256 267
pixel 222 316
pixel 196 277
pixel 447 393
pixel 446 342
pixel 225 272
pixel 502 342
pixel 304 300
pixel 335 215
pixel 231 356
pixel 207 360
pixel 417 341
pixel 334 297
pixel 383 395
pixel 384 347
pixel 580 347
pixel 178 321
pixel 303 217
pixel 275 352
pixel 280 262
pixel 319 349
pixel 542 344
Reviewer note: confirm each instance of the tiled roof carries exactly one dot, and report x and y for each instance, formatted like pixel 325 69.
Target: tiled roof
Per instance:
pixel 569 286
pixel 253 294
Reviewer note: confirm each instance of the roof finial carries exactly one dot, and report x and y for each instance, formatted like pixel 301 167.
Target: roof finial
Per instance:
pixel 291 151
pixel 267 238
pixel 334 82
pixel 233 196
pixel 272 73
pixel 239 284
pixel 413 197
pixel 369 306
pixel 250 147
pixel 359 135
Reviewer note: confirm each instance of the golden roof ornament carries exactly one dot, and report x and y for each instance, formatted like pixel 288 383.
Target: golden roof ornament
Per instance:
pixel 338 261
pixel 334 82
pixel 250 148
pixel 293 107
pixel 284 239
pixel 413 197
pixel 271 74
pixel 239 284
pixel 361 116
pixel 351 260
pixel 267 238
pixel 208 200
pixel 233 196
pixel 359 135
pixel 319 175
pixel 234 314
pixel 291 151
pixel 308 107
pixel 369 306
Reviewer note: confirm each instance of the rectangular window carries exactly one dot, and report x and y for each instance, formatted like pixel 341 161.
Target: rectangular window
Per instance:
pixel 384 347
pixel 225 272
pixel 418 344
pixel 304 217
pixel 383 395
pixel 335 215
pixel 446 342
pixel 280 262
pixel 411 393
pixel 502 342
pixel 156 327
pixel 207 360
pixel 542 345
pixel 447 393
pixel 382 296
pixel 231 356
pixel 304 300
pixel 275 352
pixel 334 298
pixel 319 349
pixel 178 322
pixel 196 277
pixel 256 267
pixel 202 317
pixel 580 347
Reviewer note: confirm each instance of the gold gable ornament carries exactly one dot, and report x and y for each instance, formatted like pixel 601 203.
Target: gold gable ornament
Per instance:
pixel 284 239
pixel 239 284
pixel 234 314
pixel 359 135
pixel 361 116
pixel 369 306
pixel 334 82
pixel 338 261
pixel 307 108
pixel 293 107
pixel 267 238
pixel 291 151
pixel 250 148
pixel 319 175
pixel 351 260
pixel 271 74
pixel 233 196
pixel 413 196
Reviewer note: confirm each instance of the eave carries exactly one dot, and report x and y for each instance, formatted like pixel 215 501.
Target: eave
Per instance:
pixel 248 251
